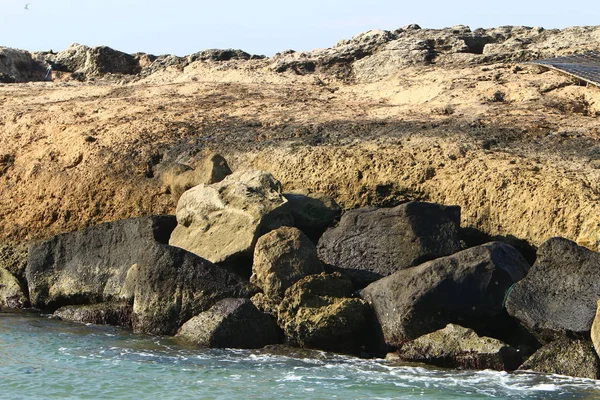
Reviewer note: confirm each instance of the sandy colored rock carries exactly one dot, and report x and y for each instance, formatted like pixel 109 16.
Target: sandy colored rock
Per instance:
pixel 282 257
pixel 11 293
pixel 458 347
pixel 595 331
pixel 224 220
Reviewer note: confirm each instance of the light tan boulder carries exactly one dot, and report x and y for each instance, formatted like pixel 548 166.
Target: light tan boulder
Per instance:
pixel 222 221
pixel 11 293
pixel 282 257
pixel 595 332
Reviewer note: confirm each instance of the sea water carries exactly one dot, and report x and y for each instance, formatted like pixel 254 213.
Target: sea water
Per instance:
pixel 44 358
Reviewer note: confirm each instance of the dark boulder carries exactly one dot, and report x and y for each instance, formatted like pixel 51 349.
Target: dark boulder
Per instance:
pixel 459 347
pixel 467 288
pixel 92 265
pixel 558 297
pixel 313 212
pixel 371 243
pixel 19 66
pixel 317 312
pixel 232 323
pixel 112 313
pixel 565 357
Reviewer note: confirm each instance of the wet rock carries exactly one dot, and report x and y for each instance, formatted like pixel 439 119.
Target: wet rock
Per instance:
pixel 11 293
pixel 232 323
pixel 565 357
pixel 458 347
pixel 313 212
pixel 112 313
pixel 281 258
pixel 466 288
pixel 558 297
pixel 224 220
pixel 371 243
pixel 316 312
pixel 180 177
pixel 92 265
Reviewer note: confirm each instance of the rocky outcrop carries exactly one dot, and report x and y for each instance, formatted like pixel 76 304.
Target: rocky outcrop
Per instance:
pixel 112 313
pixel 224 220
pixel 232 323
pixel 565 357
pixel 370 243
pixel 95 61
pixel 313 212
pixel 11 293
pixel 92 265
pixel 467 288
pixel 318 313
pixel 558 297
pixel 281 258
pixel 173 285
pixel 19 66
pixel 458 347
pixel 180 178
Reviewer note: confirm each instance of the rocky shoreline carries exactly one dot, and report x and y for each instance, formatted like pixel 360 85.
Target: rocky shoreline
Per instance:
pixel 245 265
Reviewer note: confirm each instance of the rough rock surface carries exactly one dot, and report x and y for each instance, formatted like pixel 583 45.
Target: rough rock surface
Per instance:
pixel 18 66
pixel 317 312
pixel 224 220
pixel 180 177
pixel 370 243
pixel 466 288
pixel 11 293
pixel 565 357
pixel 282 257
pixel 595 330
pixel 558 297
pixel 232 323
pixel 458 347
pixel 13 258
pixel 94 61
pixel 313 212
pixel 115 313
pixel 92 265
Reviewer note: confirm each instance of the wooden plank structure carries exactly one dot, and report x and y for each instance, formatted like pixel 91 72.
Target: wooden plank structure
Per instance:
pixel 585 67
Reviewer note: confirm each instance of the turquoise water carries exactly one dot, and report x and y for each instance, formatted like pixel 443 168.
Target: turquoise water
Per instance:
pixel 42 358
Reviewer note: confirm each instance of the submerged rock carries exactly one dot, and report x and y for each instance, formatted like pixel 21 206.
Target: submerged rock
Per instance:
pixel 371 243
pixel 317 312
pixel 558 297
pixel 466 288
pixel 281 258
pixel 112 313
pixel 233 323
pixel 565 357
pixel 224 220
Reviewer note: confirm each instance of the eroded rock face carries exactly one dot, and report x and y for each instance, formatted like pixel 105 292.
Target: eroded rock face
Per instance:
pixel 458 347
pixel 92 265
pixel 370 243
pixel 466 288
pixel 558 297
pixel 18 66
pixel 317 312
pixel 11 293
pixel 281 258
pixel 224 220
pixel 565 357
pixel 112 313
pixel 95 61
pixel 313 212
pixel 232 323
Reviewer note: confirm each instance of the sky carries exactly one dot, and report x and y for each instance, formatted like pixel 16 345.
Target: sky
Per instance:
pixel 261 26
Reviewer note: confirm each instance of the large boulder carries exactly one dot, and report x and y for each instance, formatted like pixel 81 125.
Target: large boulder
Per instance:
pixel 313 212
pixel 94 264
pixel 111 313
pixel 11 293
pixel 318 313
pixel 281 258
pixel 94 61
pixel 565 357
pixel 370 243
pixel 467 288
pixel 173 285
pixel 459 347
pixel 19 66
pixel 232 323
pixel 224 220
pixel 558 297
pixel 595 331
pixel 180 178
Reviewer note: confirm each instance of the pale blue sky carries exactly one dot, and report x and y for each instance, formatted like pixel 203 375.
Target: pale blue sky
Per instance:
pixel 261 26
